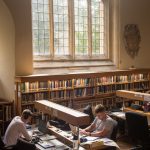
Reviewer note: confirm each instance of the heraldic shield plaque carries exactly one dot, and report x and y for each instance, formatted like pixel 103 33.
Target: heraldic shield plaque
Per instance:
pixel 132 39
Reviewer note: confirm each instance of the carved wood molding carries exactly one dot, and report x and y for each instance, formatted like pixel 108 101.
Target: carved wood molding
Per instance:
pixel 132 39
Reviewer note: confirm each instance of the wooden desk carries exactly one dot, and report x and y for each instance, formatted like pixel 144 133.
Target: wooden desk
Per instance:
pixel 132 95
pixel 69 115
pixel 67 139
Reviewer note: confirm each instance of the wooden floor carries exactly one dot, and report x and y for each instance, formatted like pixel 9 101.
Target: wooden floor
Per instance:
pixel 124 143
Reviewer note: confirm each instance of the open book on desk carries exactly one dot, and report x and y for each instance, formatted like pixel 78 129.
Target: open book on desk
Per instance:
pixel 35 132
pixel 46 144
pixel 99 143
pixel 47 137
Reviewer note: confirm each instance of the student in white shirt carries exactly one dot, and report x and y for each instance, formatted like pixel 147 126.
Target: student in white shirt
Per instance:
pixel 102 126
pixel 17 128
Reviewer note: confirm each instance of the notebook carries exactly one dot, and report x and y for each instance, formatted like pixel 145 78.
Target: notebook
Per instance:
pixel 46 144
pixel 56 143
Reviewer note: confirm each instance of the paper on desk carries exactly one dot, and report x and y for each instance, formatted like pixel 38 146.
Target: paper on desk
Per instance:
pixel 109 142
pixel 35 132
pixel 56 143
pixel 90 138
pixel 47 137
pixel 147 97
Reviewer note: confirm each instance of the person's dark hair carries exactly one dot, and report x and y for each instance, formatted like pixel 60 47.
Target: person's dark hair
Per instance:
pixel 27 113
pixel 99 108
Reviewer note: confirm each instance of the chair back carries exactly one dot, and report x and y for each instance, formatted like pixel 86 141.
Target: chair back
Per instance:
pixel 24 145
pixel 114 131
pixel 1 143
pixel 137 126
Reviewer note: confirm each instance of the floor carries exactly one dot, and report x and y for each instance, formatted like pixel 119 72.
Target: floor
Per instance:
pixel 124 143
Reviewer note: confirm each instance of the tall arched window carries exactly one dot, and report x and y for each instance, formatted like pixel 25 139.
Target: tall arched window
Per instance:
pixel 69 29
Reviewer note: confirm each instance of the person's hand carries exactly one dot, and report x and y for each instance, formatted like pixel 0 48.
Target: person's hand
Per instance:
pixel 84 132
pixel 87 133
pixel 33 133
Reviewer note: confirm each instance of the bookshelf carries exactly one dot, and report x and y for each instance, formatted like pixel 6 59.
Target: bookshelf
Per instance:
pixel 79 89
pixel 6 114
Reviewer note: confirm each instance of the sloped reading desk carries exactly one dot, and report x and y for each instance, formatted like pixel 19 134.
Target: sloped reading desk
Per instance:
pixel 69 115
pixel 136 96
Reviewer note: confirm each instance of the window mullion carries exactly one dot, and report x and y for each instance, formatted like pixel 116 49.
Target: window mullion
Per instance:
pixel 89 29
pixel 51 28
pixel 71 29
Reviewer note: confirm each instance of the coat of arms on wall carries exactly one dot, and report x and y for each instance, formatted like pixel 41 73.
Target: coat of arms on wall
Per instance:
pixel 132 39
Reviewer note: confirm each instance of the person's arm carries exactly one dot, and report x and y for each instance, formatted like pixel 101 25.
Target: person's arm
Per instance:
pixel 23 131
pixel 104 132
pixel 90 128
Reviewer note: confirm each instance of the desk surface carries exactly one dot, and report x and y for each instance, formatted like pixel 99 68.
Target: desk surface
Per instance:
pixel 66 140
pixel 67 137
pixel 58 145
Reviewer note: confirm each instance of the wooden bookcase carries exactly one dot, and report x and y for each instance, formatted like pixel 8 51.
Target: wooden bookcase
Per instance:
pixel 6 114
pixel 79 89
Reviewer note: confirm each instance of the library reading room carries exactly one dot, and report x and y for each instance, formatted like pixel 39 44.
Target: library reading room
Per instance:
pixel 74 75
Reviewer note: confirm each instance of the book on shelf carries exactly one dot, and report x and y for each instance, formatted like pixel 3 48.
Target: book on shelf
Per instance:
pixel 43 85
pixel 7 113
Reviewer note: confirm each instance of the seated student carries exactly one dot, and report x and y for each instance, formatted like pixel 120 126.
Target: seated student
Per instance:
pixel 102 126
pixel 17 128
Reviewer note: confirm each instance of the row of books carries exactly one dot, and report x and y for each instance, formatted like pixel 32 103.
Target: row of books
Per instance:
pixel 127 86
pixel 28 97
pixel 82 92
pixel 34 96
pixel 107 102
pixel 27 86
pixel 6 113
pixel 71 83
pixel 123 78
pixel 34 86
pixel 141 85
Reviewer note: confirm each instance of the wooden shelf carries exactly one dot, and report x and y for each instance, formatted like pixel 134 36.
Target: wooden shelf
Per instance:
pixel 26 104
pixel 33 91
pixel 82 87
